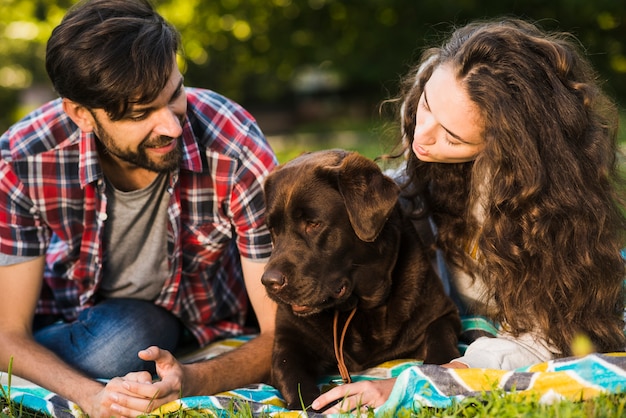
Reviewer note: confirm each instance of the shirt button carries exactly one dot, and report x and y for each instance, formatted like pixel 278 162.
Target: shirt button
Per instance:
pixel 102 216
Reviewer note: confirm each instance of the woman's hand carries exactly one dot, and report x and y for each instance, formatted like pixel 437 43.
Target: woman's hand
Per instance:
pixel 363 394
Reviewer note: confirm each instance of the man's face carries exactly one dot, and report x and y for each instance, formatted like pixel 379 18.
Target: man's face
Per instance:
pixel 148 136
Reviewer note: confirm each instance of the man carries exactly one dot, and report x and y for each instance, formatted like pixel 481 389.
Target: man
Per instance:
pixel 132 216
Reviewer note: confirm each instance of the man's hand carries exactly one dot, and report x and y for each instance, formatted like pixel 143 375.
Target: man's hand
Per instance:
pixel 176 380
pixel 104 403
pixel 136 393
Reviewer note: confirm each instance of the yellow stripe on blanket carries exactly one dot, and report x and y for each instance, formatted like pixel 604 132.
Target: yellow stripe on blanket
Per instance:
pixel 539 367
pixel 479 380
pixel 565 384
pixel 168 408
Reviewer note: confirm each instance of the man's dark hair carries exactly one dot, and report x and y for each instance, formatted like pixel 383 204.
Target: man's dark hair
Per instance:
pixel 111 54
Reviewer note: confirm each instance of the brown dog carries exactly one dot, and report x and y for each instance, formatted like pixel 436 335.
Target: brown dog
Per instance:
pixel 342 242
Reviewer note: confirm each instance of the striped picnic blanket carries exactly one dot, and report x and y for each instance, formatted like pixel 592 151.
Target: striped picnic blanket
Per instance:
pixel 417 386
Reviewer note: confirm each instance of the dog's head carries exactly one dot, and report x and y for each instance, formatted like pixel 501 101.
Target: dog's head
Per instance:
pixel 325 211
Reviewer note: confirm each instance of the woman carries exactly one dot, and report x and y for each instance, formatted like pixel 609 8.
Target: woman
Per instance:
pixel 513 146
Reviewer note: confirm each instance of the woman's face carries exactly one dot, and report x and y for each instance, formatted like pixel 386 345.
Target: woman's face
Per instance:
pixel 448 125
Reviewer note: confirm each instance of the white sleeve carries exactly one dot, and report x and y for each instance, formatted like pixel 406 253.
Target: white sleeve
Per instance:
pixel 506 352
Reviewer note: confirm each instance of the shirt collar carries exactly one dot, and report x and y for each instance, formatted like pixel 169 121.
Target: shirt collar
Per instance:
pixel 192 160
pixel 88 166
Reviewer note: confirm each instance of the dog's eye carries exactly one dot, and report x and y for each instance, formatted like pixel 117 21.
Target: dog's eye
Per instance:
pixel 311 226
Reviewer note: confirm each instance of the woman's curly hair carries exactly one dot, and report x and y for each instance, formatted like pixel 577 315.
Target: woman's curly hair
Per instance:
pixel 547 180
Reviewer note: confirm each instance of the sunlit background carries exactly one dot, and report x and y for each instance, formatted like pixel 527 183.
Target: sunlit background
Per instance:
pixel 313 72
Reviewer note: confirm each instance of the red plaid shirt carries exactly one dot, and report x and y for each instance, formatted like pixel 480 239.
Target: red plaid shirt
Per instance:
pixel 54 203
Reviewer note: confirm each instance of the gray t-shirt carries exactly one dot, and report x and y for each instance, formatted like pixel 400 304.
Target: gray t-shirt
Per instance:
pixel 135 235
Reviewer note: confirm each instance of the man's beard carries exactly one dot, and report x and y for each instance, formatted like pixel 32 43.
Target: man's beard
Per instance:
pixel 140 158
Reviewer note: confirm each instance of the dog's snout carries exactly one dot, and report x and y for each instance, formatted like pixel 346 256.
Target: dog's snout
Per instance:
pixel 274 280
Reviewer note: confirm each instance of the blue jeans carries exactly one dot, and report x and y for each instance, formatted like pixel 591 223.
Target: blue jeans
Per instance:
pixel 103 342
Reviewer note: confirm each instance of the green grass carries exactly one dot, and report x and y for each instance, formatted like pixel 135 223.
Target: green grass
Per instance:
pixel 11 409
pixel 493 404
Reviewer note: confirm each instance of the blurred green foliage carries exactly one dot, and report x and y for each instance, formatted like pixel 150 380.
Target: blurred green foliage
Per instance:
pixel 343 56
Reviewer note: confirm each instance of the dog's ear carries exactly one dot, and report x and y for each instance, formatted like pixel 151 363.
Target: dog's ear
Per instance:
pixel 369 195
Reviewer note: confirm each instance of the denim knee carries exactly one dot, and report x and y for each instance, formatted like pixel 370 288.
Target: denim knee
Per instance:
pixel 105 339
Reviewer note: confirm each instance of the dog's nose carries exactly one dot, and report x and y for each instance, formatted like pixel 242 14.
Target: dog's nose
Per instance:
pixel 274 280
